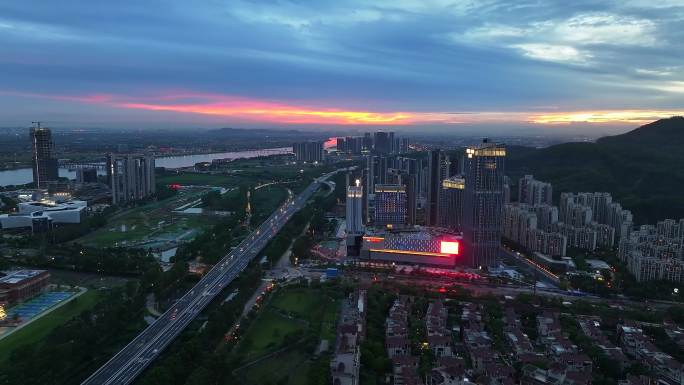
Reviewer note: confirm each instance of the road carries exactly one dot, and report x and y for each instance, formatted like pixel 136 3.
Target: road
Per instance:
pixel 128 363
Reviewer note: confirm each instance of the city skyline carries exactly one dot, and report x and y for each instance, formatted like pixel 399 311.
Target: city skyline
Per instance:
pixel 593 68
pixel 348 192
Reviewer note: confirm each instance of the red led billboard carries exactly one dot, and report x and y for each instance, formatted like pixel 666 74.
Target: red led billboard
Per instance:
pixel 449 247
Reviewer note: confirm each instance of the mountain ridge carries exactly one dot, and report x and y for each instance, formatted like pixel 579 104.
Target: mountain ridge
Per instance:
pixel 643 168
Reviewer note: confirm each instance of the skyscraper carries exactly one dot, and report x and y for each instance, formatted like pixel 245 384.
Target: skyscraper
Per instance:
pixel 434 185
pixel 367 142
pixel 451 203
pixel 44 162
pixel 483 211
pixel 404 146
pixel 382 144
pixel 354 220
pixel 393 147
pixel 390 205
pixel 411 183
pixel 131 177
pixel 382 170
pixel 372 165
pixel 341 145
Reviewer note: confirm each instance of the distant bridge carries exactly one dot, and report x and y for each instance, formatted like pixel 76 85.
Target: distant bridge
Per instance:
pixel 73 166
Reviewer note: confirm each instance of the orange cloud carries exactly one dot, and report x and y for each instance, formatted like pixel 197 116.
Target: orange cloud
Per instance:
pixel 605 117
pixel 257 110
pixel 280 113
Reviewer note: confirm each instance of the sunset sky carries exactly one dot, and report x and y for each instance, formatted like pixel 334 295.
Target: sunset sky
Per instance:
pixel 592 67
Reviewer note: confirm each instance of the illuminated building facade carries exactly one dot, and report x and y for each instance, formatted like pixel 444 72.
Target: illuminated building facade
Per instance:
pixel 354 208
pixel 390 205
pixel 426 247
pixel 484 200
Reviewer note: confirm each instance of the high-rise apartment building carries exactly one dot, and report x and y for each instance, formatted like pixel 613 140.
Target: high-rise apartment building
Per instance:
pixel 350 145
pixel 309 151
pixel 44 163
pixel 483 210
pixel 390 205
pixel 655 252
pixel 534 192
pixel 521 224
pixel 131 177
pixel 547 216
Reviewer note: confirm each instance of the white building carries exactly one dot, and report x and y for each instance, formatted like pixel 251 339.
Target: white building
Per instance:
pixel 39 216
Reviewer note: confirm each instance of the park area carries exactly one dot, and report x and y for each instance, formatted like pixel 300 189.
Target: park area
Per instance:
pixel 166 223
pixel 281 344
pixel 153 225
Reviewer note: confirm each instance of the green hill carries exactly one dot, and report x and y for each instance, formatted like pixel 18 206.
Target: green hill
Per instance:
pixel 643 169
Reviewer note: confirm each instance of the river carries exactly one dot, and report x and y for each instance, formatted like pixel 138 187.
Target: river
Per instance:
pixel 25 175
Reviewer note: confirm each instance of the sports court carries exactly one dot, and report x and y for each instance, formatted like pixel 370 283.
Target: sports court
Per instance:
pixel 37 305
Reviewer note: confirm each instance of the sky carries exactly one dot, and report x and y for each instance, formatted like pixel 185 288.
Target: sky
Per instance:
pixel 541 67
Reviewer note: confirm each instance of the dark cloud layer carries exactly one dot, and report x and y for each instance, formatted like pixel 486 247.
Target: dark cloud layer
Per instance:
pixel 418 56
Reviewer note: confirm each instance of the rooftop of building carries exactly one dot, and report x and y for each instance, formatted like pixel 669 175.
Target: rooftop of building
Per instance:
pixel 417 232
pixel 18 276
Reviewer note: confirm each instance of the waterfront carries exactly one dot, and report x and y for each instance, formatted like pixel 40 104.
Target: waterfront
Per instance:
pixel 25 175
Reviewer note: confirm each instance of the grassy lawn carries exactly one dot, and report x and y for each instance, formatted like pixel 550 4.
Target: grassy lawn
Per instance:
pixel 329 321
pixel 40 328
pixel 313 305
pixel 308 305
pixel 155 221
pixel 290 364
pixel 302 302
pixel 267 333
